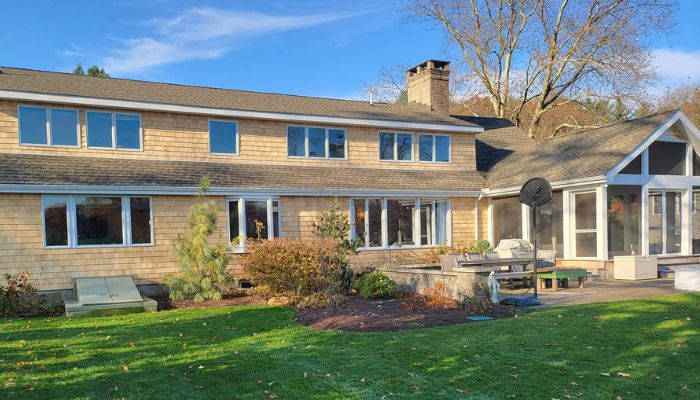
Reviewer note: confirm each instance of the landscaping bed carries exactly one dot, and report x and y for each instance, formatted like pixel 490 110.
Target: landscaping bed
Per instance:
pixel 365 315
pixel 231 298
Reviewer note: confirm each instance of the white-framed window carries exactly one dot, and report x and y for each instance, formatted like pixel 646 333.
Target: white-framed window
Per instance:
pixel 317 142
pixel 399 222
pixel 252 219
pixel 112 130
pixel 434 148
pixel 45 126
pixel 395 146
pixel 96 221
pixel 223 137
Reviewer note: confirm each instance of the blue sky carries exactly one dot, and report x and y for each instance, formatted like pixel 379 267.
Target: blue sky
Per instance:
pixel 309 47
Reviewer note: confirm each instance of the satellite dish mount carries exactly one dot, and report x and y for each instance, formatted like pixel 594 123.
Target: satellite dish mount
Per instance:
pixel 535 193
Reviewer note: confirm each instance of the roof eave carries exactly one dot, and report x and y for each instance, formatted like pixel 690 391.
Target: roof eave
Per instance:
pixel 225 191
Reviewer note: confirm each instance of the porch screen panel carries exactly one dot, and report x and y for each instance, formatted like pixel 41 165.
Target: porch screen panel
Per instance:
pixel 656 244
pixel 550 234
pixel 673 222
pixel 585 224
pixel 667 158
pixel 507 219
pixel 624 224
pixel 400 221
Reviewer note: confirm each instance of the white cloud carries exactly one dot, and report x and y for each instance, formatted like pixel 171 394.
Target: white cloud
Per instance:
pixel 677 66
pixel 203 33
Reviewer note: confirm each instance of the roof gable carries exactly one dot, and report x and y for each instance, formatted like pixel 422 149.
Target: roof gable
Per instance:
pixel 590 154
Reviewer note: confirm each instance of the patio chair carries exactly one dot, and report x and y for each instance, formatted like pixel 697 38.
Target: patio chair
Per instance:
pixel 492 255
pixel 520 254
pixel 448 262
pixel 474 256
pixel 547 257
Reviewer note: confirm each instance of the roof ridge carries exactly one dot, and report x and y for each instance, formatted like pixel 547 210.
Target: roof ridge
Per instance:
pixel 204 87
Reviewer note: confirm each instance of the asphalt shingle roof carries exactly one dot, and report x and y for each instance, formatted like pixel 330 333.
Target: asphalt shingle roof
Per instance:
pixel 496 142
pixel 26 80
pixel 583 154
pixel 34 169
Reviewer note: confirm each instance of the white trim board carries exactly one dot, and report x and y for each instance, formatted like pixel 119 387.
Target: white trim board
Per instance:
pixel 221 191
pixel 593 180
pixel 223 112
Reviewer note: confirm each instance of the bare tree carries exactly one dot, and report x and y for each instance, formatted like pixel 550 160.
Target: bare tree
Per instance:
pixel 686 98
pixel 390 86
pixel 537 55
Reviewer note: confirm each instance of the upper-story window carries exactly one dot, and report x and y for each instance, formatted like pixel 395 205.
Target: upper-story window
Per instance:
pixel 223 137
pixel 395 146
pixel 113 130
pixel 434 148
pixel 48 126
pixel 315 142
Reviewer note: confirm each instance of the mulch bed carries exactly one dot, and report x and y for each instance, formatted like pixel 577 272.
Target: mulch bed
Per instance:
pixel 362 315
pixel 233 298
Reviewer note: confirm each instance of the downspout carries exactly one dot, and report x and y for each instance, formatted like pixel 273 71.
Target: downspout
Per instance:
pixel 476 216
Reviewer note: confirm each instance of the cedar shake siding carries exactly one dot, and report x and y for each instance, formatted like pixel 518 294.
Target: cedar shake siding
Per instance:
pixel 22 247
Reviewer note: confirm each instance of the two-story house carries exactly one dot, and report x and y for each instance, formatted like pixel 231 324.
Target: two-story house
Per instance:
pixel 97 176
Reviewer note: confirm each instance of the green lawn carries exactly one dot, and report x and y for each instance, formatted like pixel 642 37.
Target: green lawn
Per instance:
pixel 646 349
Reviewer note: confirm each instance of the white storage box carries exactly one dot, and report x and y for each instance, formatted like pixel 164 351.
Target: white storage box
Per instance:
pixel 635 267
pixel 687 279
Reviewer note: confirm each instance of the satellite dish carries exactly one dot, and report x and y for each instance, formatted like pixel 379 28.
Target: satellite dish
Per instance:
pixel 536 192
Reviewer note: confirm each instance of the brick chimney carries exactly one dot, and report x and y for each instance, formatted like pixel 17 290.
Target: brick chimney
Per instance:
pixel 428 84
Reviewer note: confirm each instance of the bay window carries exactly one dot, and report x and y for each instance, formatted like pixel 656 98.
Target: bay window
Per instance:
pixel 253 219
pixel 316 142
pixel 84 221
pixel 381 223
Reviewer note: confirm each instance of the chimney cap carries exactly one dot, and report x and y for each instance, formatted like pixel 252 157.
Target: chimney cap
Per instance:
pixel 437 64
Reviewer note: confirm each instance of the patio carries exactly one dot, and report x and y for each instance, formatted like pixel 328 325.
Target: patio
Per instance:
pixel 600 291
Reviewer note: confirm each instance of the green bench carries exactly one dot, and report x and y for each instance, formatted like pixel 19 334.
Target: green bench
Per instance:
pixel 561 274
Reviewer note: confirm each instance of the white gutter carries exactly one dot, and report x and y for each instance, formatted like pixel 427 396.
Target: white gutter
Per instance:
pixel 224 112
pixel 222 191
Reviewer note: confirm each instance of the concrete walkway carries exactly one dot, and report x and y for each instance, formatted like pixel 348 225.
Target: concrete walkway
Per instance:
pixel 600 290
